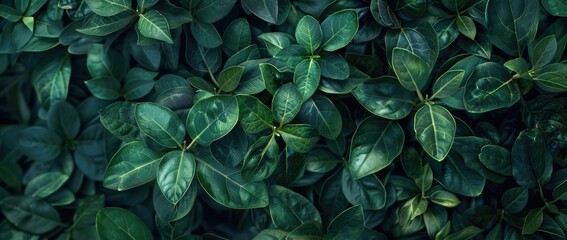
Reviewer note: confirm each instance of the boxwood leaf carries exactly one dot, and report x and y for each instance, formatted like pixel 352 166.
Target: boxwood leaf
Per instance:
pixel 320 112
pixel 299 137
pixel 368 191
pixel 385 98
pixel 286 103
pixel 512 24
pixel 133 165
pixel 40 143
pixel 339 29
pixel 236 192
pixel 515 199
pixel 531 160
pixel 555 8
pixel 261 160
pixel 254 116
pixel 119 119
pixel 160 124
pixel 229 78
pixel 347 225
pixel 30 214
pixel 489 88
pixel 266 10
pixel 289 209
pixel 206 34
pixel 212 118
pixel 306 78
pixel 308 33
pixel 411 70
pixel 109 7
pixel 119 223
pixel 175 173
pixel 154 25
pixel 375 144
pixel 101 26
pixel 435 129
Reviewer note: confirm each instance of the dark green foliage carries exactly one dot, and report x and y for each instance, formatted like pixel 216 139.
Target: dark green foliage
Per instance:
pixel 283 119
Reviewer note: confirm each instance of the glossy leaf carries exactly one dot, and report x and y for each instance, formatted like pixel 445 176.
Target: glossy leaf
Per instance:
pixel 533 221
pixel 118 223
pixel 97 25
pixel 515 199
pixel 435 128
pixel 51 80
pixel 212 118
pixel 299 137
pixel 118 118
pixel 347 225
pixel 368 191
pixel 289 210
pixel 411 70
pixel 375 145
pixel 109 7
pixel 306 78
pixel 339 29
pixel 286 103
pixel 489 88
pixel 254 116
pixel 261 159
pixel 229 78
pixel 319 112
pixel 556 8
pixel 175 173
pixel 385 98
pixel 531 160
pixel 266 10
pixel 160 124
pixel 308 33
pixel 154 25
pixel 40 143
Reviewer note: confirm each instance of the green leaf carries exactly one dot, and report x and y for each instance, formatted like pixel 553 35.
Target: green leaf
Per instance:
pixel 108 8
pixel 206 34
pixel 105 88
pixel 550 226
pixel 229 78
pixel 542 52
pixel 454 5
pixel 515 199
pixel 533 221
pixel 299 137
pixel 286 103
pixel 375 145
pixel 261 160
pixel 30 214
pixel 236 192
pixel 383 14
pixel 385 98
pixel 497 159
pixel 435 129
pixel 339 29
pixel 289 209
pixel 51 79
pixel 160 124
pixel 231 149
pixel 175 174
pixel 560 191
pixel 466 26
pixel 347 225
pixel 531 160
pixel 266 10
pixel 154 25
pixel 306 78
pixel 368 191
pixel 210 11
pixel 254 116
pixel 45 184
pixel 119 119
pixel 84 219
pixel 512 24
pixel 448 83
pixel 444 198
pixel 275 41
pixel 144 4
pixel 118 223
pixel 419 37
pixel 168 211
pixel 10 13
pixel 133 165
pixel 555 8
pixel 40 143
pixel 269 233
pixel 308 230
pixel 64 119
pixel 212 118
pixel 101 26
pixel 489 88
pixel 240 28
pixel 411 70
pixel 320 112
pixel 308 33
pixel 333 66
pixel 465 233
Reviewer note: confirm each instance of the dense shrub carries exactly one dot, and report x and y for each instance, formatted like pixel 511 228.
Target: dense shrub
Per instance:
pixel 283 119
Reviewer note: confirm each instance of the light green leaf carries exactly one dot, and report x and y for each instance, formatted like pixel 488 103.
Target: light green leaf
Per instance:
pixel 466 26
pixel 308 33
pixel 286 103
pixel 175 174
pixel 347 225
pixel 375 144
pixel 261 160
pixel 275 41
pixel 212 118
pixel 306 78
pixel 109 8
pixel 320 112
pixel 154 25
pixel 435 129
pixel 339 29
pixel 118 223
pixel 160 124
pixel 235 193
pixel 254 116
pixel 133 165
pixel 299 137
pixel 411 70
pixel 489 88
pixel 289 209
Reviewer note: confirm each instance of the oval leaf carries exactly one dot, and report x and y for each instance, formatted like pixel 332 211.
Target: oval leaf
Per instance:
pixel 212 118
pixel 435 129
